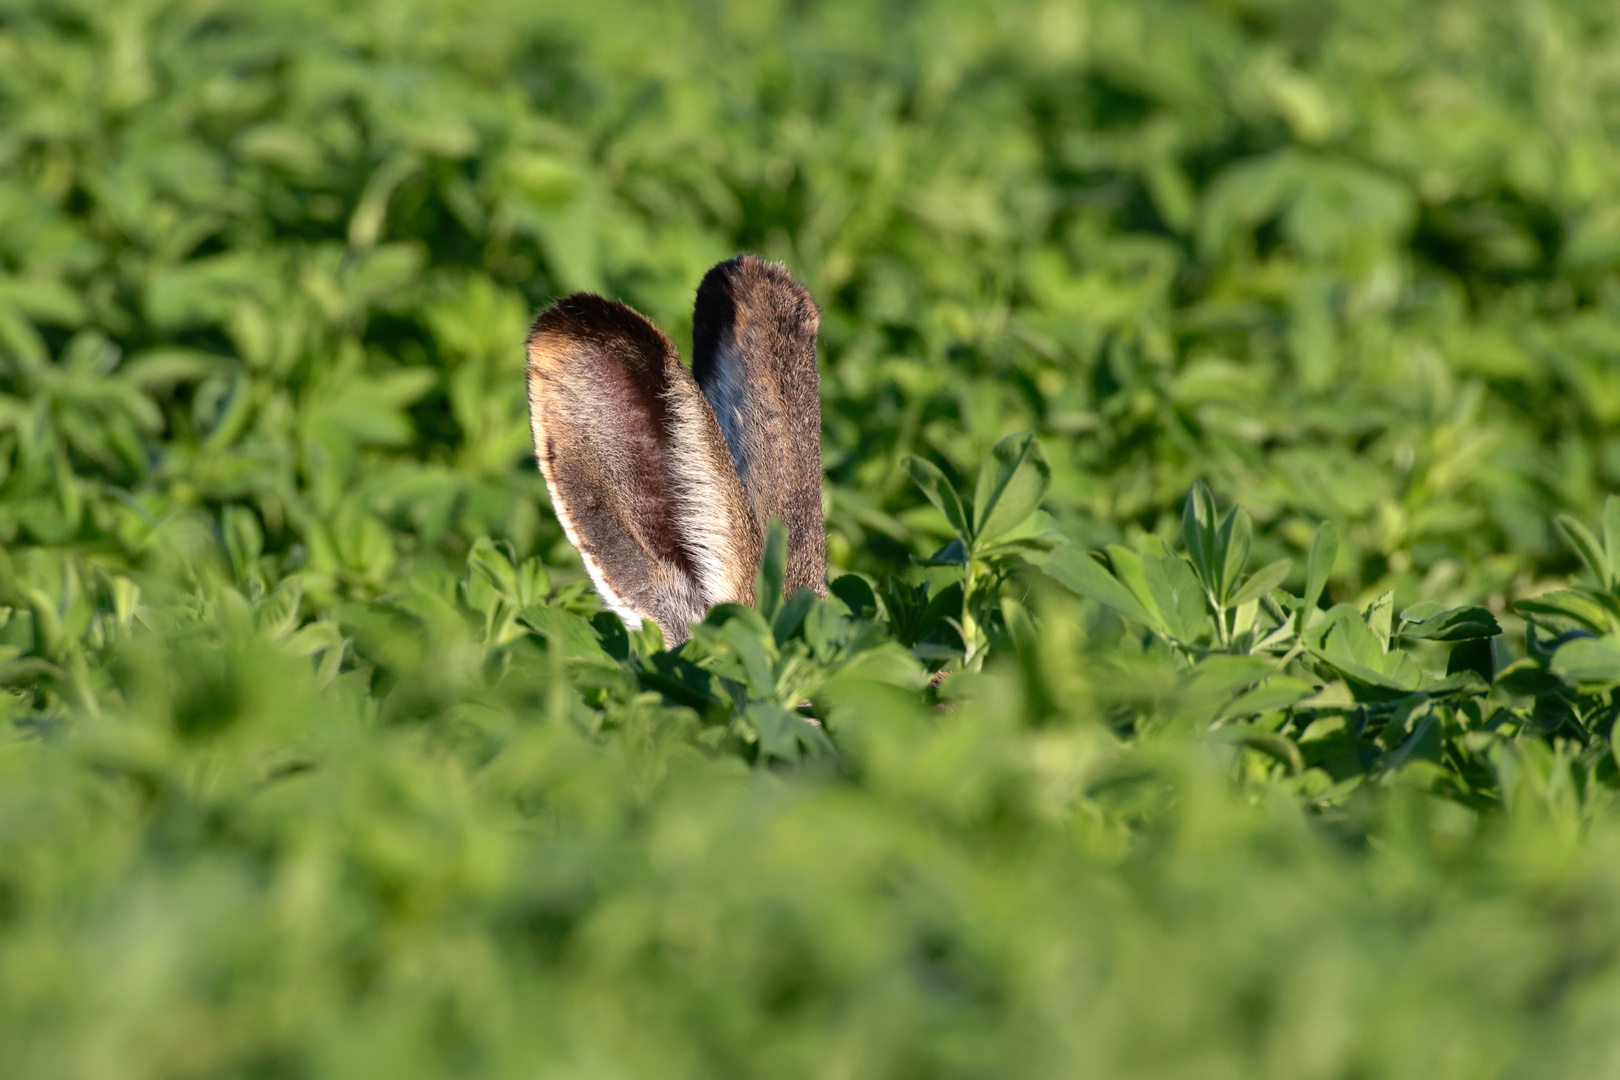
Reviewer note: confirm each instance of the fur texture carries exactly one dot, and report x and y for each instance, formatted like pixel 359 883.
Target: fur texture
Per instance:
pixel 639 474
pixel 664 479
pixel 754 356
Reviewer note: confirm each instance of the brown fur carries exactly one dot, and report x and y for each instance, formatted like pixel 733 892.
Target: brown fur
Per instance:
pixel 754 355
pixel 667 505
pixel 638 471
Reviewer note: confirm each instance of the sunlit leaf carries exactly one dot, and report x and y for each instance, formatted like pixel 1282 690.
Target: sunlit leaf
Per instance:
pixel 1265 579
pixel 1587 547
pixel 1588 660
pixel 939 491
pixel 1324 550
pixel 1082 574
pixel 1435 623
pixel 1012 482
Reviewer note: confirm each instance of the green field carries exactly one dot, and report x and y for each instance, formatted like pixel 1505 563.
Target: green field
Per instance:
pixel 1225 396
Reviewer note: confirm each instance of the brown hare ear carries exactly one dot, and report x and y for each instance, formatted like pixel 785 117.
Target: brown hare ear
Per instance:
pixel 639 474
pixel 754 355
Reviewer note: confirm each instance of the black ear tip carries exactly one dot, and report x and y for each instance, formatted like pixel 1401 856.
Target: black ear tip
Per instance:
pixel 745 288
pixel 722 274
pixel 583 313
pixel 748 277
pixel 588 318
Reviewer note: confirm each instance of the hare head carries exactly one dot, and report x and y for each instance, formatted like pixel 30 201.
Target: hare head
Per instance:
pixel 665 480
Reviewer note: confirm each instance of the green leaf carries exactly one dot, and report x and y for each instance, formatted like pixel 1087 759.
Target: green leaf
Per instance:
pixel 856 594
pixel 1032 540
pixel 1198 535
pixel 491 564
pixel 1565 606
pixel 49 637
pixel 1587 547
pixel 244 540
pixel 648 640
pixel 1032 550
pixel 126 595
pixel 314 638
pixel 162 368
pixel 1343 635
pixel 1611 536
pixel 1324 549
pixel 1179 595
pixel 790 616
pixel 772 570
pixel 1080 573
pixel 1237 533
pixel 1369 686
pixel 1012 482
pixel 1128 569
pixel 533 582
pixel 1380 617
pixel 1475 655
pixel 680 680
pixel 926 475
pixel 1265 579
pixel 277 614
pixel 1278 692
pixel 1020 626
pixel 1425 609
pixel 954 553
pixel 786 735
pixel 748 646
pixel 1217 677
pixel 1427 724
pixel 1455 624
pixel 1279 747
pixel 1527 677
pixel 741 646
pixel 576 638
pixel 1588 660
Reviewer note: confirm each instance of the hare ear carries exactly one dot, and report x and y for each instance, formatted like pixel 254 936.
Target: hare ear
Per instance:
pixel 639 474
pixel 754 355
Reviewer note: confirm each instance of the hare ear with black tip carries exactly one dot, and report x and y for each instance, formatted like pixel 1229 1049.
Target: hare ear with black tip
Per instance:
pixel 639 474
pixel 664 479
pixel 754 356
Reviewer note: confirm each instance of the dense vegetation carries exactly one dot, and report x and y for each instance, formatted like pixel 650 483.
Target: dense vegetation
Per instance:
pixel 1222 396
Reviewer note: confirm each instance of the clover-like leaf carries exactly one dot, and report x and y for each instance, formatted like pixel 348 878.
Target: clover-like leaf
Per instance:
pixel 1080 573
pixel 1588 660
pixel 1012 482
pixel 1324 549
pixel 1587 547
pixel 772 570
pixel 1431 622
pixel 926 475
pixel 1265 579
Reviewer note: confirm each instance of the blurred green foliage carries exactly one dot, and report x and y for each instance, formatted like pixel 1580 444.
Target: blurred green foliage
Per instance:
pixel 319 758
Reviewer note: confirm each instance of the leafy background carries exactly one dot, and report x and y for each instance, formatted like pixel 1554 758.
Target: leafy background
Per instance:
pixel 318 761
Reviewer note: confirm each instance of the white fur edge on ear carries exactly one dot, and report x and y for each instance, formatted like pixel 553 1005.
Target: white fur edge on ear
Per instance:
pixel 619 606
pixel 713 519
